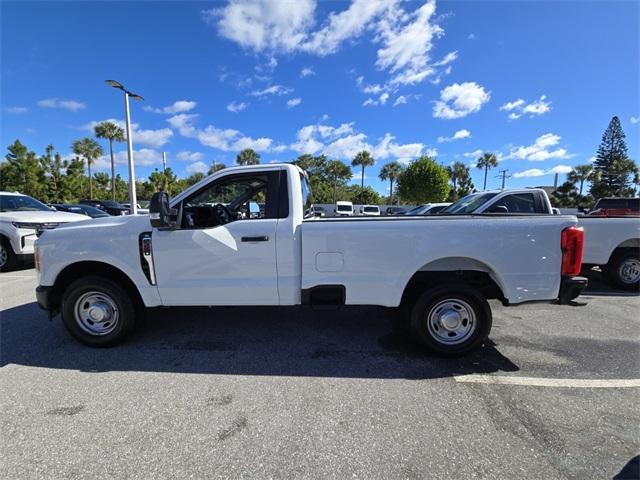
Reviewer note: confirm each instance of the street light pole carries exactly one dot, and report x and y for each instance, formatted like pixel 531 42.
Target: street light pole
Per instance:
pixel 127 114
pixel 132 175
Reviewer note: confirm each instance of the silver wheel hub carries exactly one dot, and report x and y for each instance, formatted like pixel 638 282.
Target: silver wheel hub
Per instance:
pixel 451 321
pixel 630 270
pixel 96 313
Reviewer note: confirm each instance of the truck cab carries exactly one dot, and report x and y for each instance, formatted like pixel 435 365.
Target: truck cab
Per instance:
pixel 519 201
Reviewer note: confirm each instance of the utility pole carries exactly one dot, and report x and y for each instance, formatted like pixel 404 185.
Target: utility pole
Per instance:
pixel 504 176
pixel 164 162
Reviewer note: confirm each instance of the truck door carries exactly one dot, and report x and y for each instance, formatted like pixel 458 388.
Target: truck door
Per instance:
pixel 224 249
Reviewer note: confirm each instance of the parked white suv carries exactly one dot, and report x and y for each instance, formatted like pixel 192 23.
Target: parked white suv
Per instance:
pixel 21 217
pixel 344 209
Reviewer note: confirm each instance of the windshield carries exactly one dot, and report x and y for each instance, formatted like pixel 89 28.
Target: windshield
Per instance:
pixel 21 203
pixel 371 209
pixel 419 210
pixel 468 204
pixel 344 208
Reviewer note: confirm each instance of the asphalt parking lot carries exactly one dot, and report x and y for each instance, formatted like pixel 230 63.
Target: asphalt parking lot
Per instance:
pixel 296 393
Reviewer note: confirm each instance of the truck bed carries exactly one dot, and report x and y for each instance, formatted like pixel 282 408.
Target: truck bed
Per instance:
pixel 358 252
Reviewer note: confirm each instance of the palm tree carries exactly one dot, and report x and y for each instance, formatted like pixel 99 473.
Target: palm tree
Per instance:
pixel 390 171
pixel 581 174
pixel 91 151
pixel 363 159
pixel 248 156
pixel 215 167
pixel 486 162
pixel 337 171
pixel 113 133
pixel 459 173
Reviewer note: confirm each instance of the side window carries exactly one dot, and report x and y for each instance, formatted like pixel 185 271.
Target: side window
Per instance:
pixel 517 203
pixel 232 198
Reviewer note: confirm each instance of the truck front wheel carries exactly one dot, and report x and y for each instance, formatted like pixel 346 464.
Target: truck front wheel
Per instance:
pixel 451 320
pixel 97 312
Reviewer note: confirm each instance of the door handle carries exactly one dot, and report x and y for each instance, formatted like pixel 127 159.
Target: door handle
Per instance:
pixel 264 238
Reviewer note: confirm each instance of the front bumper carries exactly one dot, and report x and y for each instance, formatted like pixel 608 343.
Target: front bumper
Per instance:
pixel 570 288
pixel 43 296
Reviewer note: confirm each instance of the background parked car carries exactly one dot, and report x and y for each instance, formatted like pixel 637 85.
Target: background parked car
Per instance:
pixel 427 209
pixel 616 207
pixel 370 210
pixel 87 210
pixel 344 209
pixel 395 210
pixel 109 206
pixel 141 211
pixel 22 219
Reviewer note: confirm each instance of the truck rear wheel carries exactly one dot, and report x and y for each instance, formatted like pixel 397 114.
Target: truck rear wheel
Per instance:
pixel 451 320
pixel 623 270
pixel 97 312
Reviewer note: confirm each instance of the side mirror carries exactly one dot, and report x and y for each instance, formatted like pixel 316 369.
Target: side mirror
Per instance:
pixel 498 209
pixel 161 216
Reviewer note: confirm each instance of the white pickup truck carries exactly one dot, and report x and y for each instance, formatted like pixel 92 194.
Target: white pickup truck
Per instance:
pixel 611 243
pixel 202 249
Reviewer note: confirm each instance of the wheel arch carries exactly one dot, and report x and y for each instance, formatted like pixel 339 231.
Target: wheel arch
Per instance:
pixel 454 270
pixel 97 269
pixel 629 244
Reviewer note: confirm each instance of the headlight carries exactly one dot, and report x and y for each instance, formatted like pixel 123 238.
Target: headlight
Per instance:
pixel 31 226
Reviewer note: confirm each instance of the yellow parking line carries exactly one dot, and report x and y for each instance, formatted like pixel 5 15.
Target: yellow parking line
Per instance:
pixel 549 382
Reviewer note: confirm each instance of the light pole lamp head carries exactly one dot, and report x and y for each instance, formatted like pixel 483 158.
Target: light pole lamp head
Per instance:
pixel 115 84
pixel 135 96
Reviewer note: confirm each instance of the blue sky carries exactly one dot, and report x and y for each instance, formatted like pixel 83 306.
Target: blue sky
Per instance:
pixel 534 82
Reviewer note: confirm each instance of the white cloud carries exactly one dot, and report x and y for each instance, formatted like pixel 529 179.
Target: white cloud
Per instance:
pixel 294 102
pixel 381 100
pixel 401 100
pixel 407 40
pixel 180 106
pixel 272 90
pixel 538 172
pixel 275 27
pixel 348 24
pixel 474 154
pixel 520 107
pixel 471 36
pixel 71 105
pixel 236 107
pixel 344 142
pixel 307 72
pixel 540 150
pixel 450 57
pixel 460 134
pixel 197 167
pixel 19 110
pixel 142 157
pixel 211 136
pixel 460 100
pixel 532 172
pixel 260 25
pixel 187 156
pixel 152 138
pixel 634 120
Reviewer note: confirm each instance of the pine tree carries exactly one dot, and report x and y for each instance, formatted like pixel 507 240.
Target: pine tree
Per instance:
pixel 612 163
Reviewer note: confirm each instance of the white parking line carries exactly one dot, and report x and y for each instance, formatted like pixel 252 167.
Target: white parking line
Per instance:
pixel 549 382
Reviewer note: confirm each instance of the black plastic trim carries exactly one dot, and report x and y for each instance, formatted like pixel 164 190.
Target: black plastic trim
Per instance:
pixel 570 288
pixel 43 297
pixel 324 295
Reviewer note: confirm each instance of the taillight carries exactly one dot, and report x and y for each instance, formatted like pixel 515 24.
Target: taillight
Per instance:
pixel 572 243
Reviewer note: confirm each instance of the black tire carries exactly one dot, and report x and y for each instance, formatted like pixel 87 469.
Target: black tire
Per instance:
pixel 614 271
pixel 8 259
pixel 104 291
pixel 464 305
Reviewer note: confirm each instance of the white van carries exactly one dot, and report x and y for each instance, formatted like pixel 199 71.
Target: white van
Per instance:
pixel 370 210
pixel 344 209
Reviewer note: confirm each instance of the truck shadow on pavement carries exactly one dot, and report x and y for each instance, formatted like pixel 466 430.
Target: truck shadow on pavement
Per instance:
pixel 353 342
